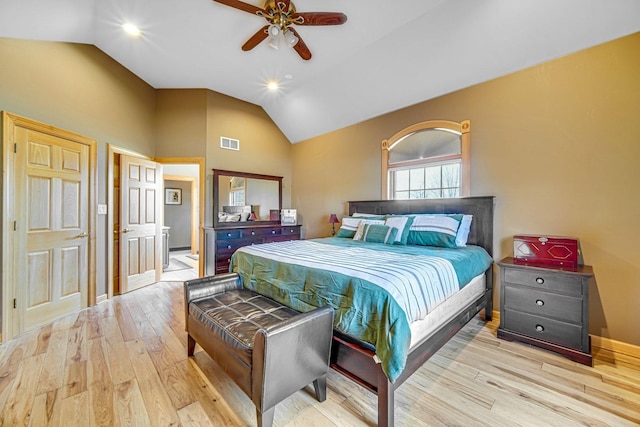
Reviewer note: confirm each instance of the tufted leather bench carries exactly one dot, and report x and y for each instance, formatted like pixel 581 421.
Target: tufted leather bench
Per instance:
pixel 268 349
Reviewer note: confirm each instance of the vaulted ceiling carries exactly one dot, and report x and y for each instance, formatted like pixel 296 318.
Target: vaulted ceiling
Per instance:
pixel 388 55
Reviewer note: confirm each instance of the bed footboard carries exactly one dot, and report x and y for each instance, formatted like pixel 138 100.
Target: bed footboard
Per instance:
pixel 356 361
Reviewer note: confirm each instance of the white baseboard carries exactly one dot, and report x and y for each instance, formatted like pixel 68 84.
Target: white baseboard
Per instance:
pixel 101 298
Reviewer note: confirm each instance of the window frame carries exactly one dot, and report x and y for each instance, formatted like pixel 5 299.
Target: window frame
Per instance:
pixel 463 128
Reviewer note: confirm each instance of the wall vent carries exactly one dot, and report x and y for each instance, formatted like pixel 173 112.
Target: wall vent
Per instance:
pixel 229 143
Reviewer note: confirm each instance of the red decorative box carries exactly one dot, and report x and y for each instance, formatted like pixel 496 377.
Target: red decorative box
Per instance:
pixel 547 250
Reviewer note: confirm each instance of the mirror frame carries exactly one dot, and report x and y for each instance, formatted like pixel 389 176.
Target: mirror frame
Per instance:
pixel 216 202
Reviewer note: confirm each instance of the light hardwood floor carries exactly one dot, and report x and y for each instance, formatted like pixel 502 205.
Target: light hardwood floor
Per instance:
pixel 124 362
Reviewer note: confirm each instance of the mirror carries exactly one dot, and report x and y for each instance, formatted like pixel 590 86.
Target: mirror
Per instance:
pixel 242 198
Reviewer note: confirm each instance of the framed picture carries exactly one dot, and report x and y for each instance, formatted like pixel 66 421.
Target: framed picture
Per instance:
pixel 172 196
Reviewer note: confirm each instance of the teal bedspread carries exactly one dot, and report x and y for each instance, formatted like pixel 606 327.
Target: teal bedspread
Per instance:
pixel 376 290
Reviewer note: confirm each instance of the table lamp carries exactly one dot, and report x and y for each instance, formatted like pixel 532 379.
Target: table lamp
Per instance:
pixel 333 220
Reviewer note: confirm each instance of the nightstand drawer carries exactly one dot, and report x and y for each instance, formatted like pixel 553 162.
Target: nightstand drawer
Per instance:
pixel 565 334
pixel 546 304
pixel 554 281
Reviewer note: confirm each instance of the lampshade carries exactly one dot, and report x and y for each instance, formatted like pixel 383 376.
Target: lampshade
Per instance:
pixel 333 219
pixel 274 32
pixel 290 38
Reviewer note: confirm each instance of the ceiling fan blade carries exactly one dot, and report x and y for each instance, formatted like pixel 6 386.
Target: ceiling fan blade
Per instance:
pixel 301 47
pixel 319 18
pixel 255 39
pixel 237 4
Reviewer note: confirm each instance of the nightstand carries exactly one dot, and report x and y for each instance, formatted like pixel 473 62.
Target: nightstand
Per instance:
pixel 547 307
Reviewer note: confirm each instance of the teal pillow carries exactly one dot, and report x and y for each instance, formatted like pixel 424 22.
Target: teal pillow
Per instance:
pixel 435 230
pixel 403 224
pixel 376 233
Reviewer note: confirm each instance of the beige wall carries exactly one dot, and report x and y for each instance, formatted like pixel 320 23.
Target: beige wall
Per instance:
pixel 557 144
pixel 181 117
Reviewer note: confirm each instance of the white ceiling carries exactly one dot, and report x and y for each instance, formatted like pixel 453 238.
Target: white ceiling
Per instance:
pixel 390 54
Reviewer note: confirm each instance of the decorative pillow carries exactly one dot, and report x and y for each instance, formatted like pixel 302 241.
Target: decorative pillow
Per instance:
pixel 435 230
pixel 463 231
pixel 348 227
pixel 376 233
pixel 403 224
pixel 363 222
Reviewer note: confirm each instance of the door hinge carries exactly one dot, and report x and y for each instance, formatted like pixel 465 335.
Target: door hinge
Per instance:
pixel 14 303
pixel 15 147
pixel 15 225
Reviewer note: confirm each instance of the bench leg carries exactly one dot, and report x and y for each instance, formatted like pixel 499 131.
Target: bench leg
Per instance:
pixel 320 385
pixel 191 345
pixel 265 419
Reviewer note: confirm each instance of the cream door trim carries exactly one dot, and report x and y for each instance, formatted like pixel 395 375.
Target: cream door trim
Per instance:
pixel 200 162
pixel 9 122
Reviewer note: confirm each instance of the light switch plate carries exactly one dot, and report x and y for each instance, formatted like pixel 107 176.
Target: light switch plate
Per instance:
pixel 102 209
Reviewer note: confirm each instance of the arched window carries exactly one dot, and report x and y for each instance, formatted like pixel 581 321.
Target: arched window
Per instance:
pixel 427 160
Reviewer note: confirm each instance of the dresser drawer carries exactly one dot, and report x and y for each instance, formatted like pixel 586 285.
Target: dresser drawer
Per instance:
pixel 228 234
pixel 222 265
pixel 547 304
pixel 261 232
pixel 291 232
pixel 553 331
pixel 554 281
pixel 223 246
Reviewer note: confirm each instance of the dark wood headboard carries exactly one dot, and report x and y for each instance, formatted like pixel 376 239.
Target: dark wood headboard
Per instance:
pixel 481 207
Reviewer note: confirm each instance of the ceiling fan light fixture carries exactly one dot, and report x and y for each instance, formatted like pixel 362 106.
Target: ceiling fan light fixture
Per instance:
pixel 274 32
pixel 291 38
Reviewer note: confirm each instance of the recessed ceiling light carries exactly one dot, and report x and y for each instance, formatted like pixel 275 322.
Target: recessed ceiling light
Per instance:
pixel 288 76
pixel 131 29
pixel 273 86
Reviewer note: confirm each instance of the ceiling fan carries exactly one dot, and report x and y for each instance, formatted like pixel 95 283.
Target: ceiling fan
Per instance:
pixel 280 15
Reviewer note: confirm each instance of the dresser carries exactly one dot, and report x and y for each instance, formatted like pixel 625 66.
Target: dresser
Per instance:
pixel 547 307
pixel 222 242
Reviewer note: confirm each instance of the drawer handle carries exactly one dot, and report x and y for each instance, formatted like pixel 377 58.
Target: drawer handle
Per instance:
pixel 228 246
pixel 539 328
pixel 540 280
pixel 253 233
pixel 273 231
pixel 539 302
pixel 228 234
pixel 291 231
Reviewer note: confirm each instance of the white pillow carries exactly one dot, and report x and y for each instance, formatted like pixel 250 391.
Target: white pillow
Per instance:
pixel 360 215
pixel 463 231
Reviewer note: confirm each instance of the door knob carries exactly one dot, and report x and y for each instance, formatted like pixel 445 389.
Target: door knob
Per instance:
pixel 125 230
pixel 81 235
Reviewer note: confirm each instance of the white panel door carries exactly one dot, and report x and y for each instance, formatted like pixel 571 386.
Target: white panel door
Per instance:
pixel 51 259
pixel 140 222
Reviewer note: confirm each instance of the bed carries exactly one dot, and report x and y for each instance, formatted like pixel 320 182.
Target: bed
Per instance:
pixel 382 332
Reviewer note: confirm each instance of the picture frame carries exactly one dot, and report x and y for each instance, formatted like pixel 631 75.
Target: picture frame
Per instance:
pixel 172 196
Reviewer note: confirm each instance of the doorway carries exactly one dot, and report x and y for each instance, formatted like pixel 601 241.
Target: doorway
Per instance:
pixel 188 175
